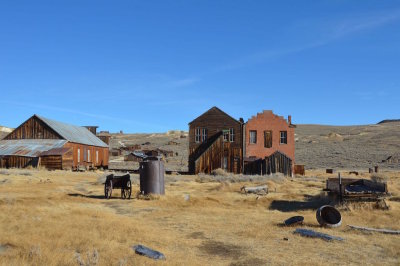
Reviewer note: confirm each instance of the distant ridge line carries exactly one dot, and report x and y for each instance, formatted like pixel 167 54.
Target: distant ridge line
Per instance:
pixel 389 121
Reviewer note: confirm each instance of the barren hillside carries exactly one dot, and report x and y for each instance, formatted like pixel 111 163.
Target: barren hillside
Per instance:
pixel 4 131
pixel 348 146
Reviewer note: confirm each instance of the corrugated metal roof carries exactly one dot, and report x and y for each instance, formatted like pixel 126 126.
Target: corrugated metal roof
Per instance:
pixel 74 133
pixel 29 147
pixel 56 151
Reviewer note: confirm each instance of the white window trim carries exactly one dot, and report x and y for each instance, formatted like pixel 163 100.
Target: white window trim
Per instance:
pixel 250 138
pixel 231 135
pixel 281 138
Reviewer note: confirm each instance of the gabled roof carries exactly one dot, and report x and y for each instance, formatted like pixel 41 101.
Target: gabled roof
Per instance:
pixel 73 133
pixel 214 108
pixel 28 147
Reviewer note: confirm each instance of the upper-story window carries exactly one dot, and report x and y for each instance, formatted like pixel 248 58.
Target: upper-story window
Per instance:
pixel 283 139
pixel 231 135
pixel 200 135
pixel 204 135
pixel 253 136
pixel 225 135
pixel 197 134
pixel 267 139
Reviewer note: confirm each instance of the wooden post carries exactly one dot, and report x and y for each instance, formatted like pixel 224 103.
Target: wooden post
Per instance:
pixel 376 169
pixel 340 188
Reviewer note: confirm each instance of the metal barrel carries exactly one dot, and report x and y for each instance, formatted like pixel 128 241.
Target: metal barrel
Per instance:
pixel 152 177
pixel 328 216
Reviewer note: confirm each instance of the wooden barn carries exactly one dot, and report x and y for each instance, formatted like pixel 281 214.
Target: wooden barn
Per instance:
pixel 44 142
pixel 215 141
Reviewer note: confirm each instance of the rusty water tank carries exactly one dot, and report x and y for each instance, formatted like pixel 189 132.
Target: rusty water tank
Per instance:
pixel 152 176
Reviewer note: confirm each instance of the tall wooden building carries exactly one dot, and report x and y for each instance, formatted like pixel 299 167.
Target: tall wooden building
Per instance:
pixel 215 141
pixel 44 142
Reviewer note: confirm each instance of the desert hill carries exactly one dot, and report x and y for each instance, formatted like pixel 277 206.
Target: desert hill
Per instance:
pixel 4 131
pixel 319 146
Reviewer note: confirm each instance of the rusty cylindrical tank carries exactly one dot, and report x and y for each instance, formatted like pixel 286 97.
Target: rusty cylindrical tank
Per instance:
pixel 152 176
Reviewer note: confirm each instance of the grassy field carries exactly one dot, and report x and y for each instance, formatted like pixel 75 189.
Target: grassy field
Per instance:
pixel 61 218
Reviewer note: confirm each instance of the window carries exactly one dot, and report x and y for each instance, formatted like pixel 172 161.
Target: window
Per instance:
pixel 283 137
pixel 88 156
pixel 200 134
pixel 225 134
pixel 204 135
pixel 79 155
pixel 197 135
pixel 253 136
pixel 97 156
pixel 267 139
pixel 231 135
pixel 84 155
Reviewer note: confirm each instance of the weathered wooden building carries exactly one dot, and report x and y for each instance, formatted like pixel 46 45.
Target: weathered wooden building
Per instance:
pixel 44 142
pixel 105 136
pixel 215 141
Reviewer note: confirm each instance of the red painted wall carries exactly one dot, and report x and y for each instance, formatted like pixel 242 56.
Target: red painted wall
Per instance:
pixel 269 121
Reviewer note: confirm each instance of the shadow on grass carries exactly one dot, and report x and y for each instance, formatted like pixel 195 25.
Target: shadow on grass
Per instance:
pixel 86 196
pixel 311 203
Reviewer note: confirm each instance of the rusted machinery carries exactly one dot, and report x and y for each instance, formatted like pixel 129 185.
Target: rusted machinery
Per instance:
pixel 353 189
pixel 122 182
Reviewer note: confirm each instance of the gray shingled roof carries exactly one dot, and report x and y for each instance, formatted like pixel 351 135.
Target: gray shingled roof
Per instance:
pixel 29 147
pixel 73 133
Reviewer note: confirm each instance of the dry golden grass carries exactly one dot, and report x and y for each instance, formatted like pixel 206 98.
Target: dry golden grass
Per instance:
pixel 52 218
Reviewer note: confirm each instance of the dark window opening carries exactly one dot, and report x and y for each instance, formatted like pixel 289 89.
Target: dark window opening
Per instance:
pixel 283 137
pixel 268 139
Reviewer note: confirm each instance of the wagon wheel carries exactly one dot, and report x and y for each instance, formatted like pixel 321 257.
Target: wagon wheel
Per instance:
pixel 127 191
pixel 108 189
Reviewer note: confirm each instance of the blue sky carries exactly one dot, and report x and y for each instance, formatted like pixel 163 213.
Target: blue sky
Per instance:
pixel 151 66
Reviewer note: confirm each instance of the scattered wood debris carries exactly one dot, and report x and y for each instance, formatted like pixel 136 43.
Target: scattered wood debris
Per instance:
pixel 259 190
pixel 384 231
pixel 148 252
pixel 314 234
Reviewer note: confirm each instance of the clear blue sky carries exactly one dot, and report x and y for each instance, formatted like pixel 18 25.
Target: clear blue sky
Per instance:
pixel 151 66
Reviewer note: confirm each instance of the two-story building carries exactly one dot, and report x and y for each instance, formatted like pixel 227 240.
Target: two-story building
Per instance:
pixel 269 141
pixel 215 141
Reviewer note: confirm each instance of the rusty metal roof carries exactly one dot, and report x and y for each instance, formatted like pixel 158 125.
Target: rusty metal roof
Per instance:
pixel 56 151
pixel 29 147
pixel 73 133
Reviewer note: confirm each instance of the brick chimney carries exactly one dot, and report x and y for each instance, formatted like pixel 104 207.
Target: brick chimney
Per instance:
pixel 289 119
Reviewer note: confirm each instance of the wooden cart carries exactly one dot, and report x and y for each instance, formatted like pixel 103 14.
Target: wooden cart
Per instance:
pixel 123 182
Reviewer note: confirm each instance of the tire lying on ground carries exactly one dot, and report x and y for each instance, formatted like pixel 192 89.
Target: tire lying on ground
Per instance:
pixel 295 220
pixel 329 216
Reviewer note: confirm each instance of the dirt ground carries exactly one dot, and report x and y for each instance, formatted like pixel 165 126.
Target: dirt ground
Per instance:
pixel 62 218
